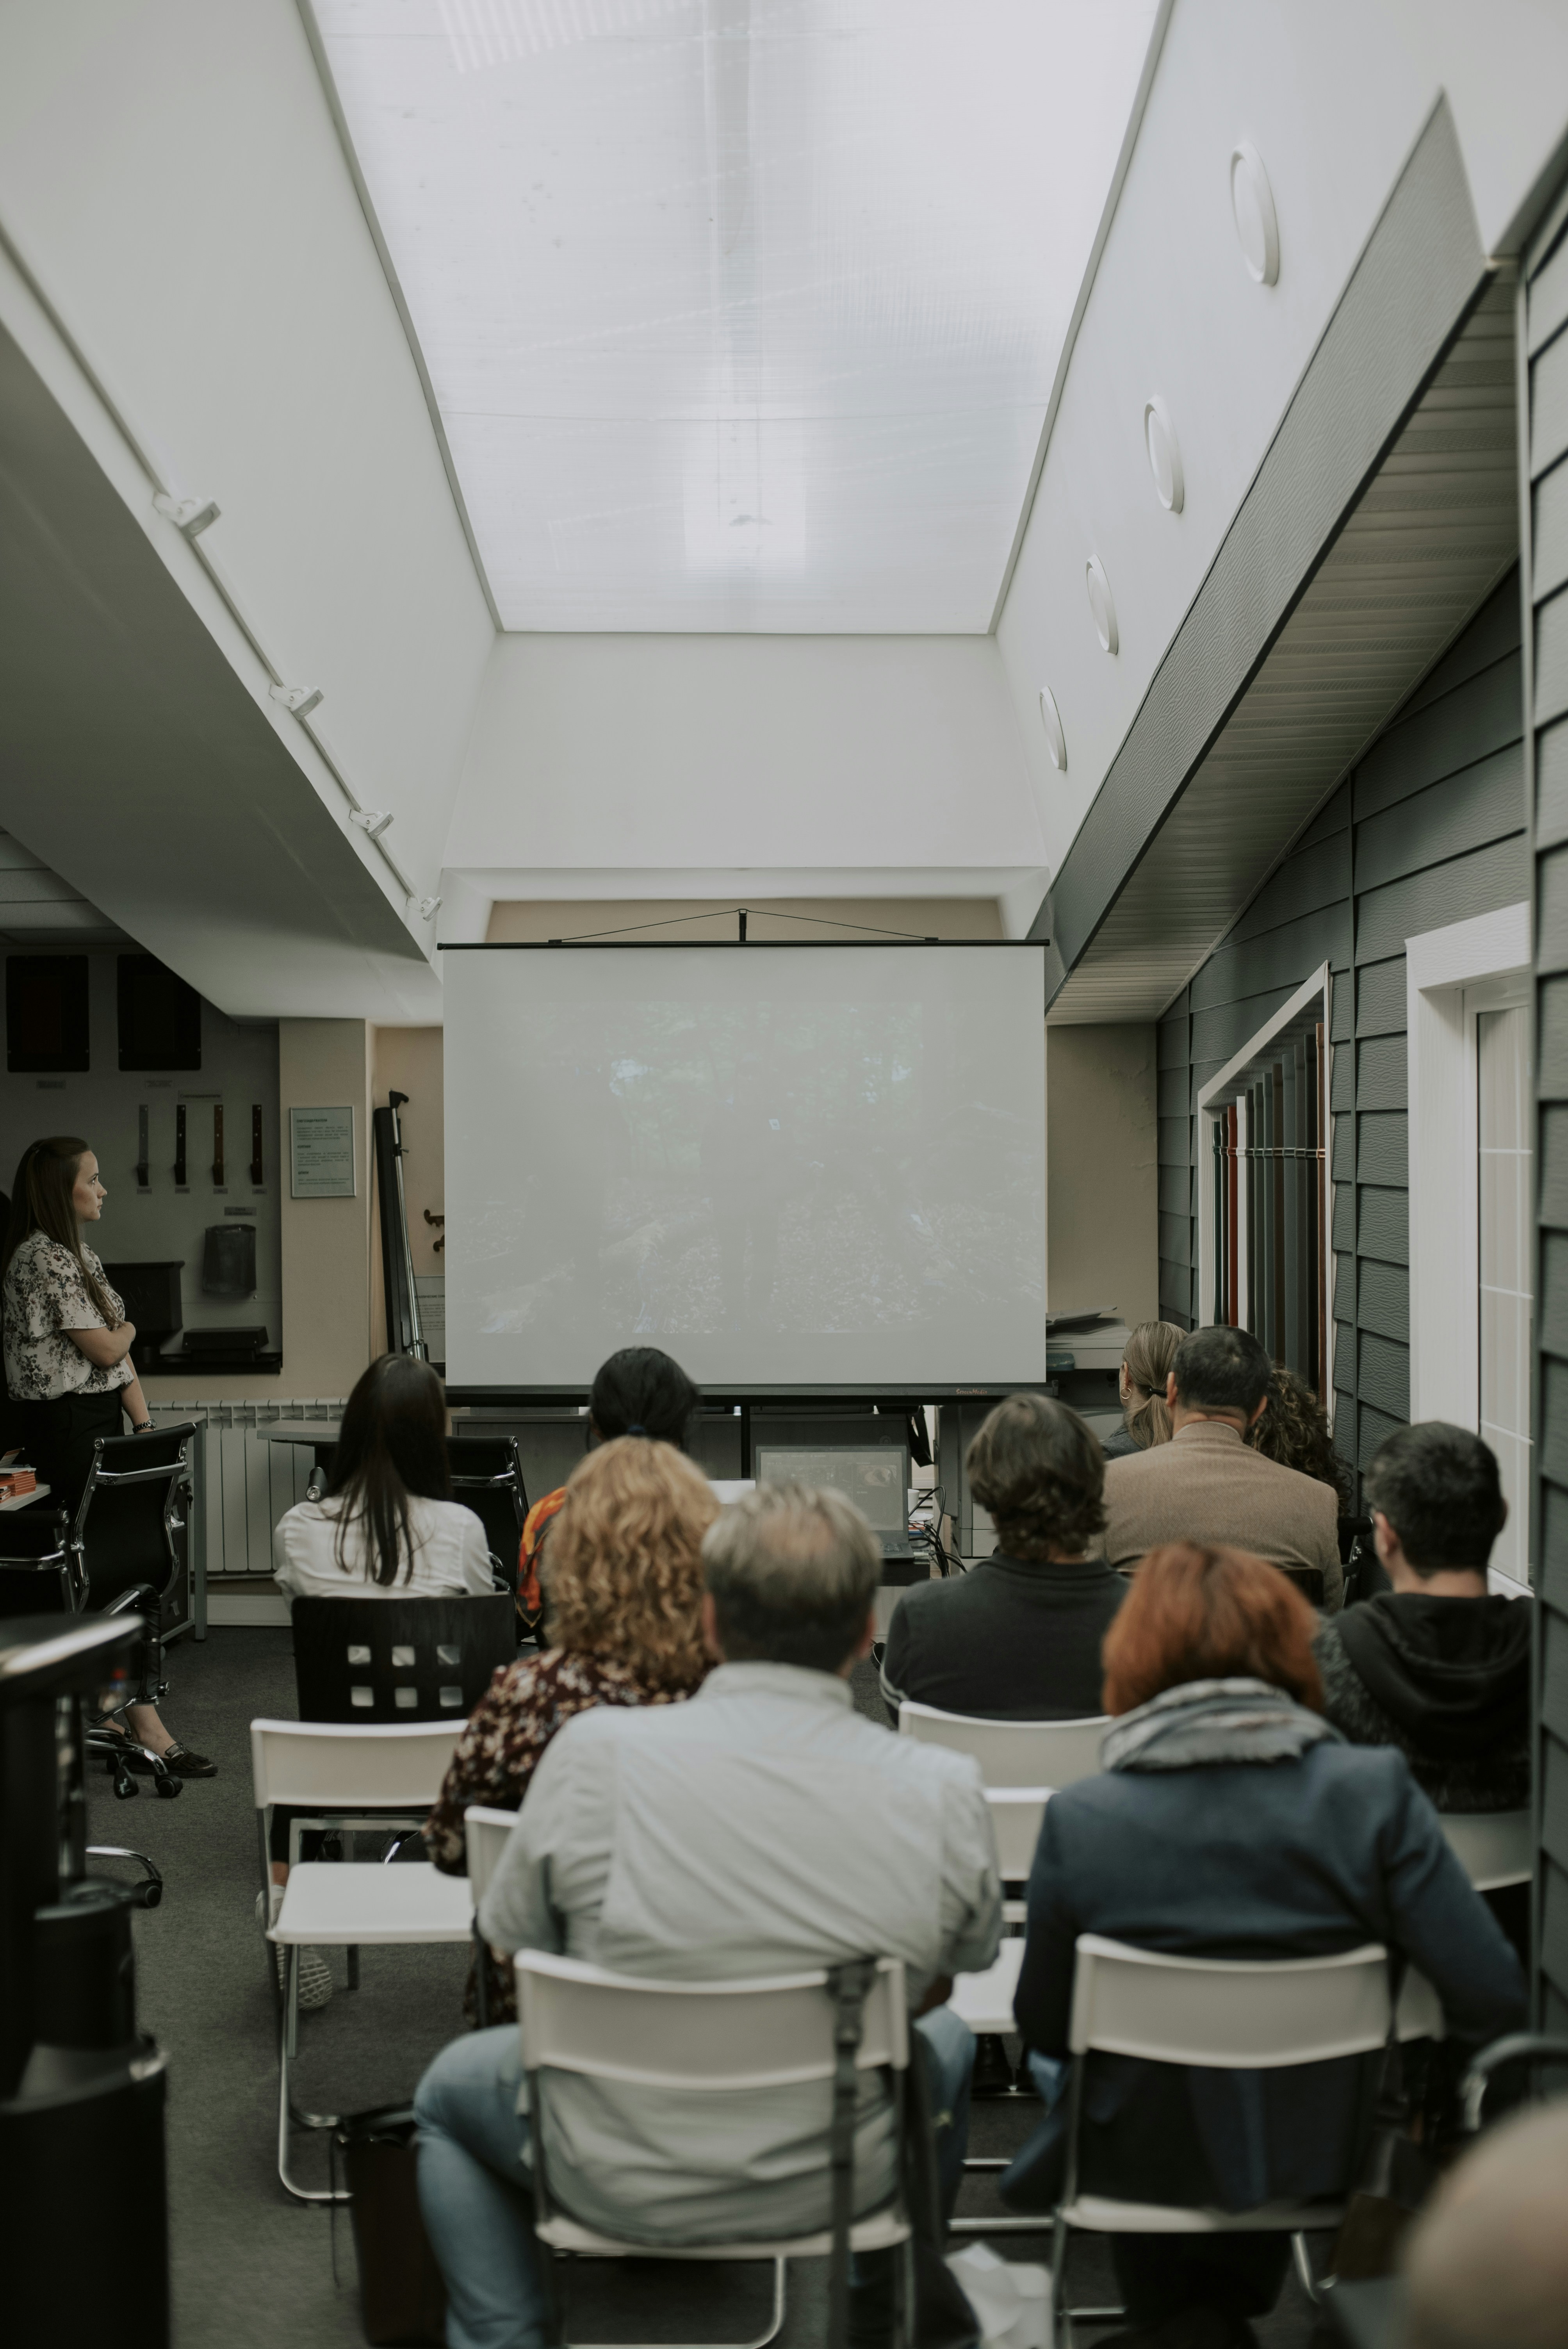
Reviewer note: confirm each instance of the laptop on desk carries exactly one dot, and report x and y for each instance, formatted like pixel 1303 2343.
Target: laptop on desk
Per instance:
pixel 875 1477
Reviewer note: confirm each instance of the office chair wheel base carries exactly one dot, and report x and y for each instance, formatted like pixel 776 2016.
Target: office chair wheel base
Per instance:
pixel 168 1787
pixel 126 1789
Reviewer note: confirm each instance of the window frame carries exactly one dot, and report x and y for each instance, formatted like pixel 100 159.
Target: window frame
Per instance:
pixel 1314 998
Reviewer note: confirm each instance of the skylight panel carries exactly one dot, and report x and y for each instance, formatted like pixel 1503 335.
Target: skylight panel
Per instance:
pixel 739 313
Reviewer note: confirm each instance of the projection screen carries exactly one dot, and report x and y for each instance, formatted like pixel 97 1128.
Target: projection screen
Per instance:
pixel 790 1166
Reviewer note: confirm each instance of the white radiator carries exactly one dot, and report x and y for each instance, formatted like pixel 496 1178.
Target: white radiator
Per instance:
pixel 242 1484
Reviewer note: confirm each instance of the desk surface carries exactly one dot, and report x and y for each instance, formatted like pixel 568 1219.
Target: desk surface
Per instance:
pixel 25 1500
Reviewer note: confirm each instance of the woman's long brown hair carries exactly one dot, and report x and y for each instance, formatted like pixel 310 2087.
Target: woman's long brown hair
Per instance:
pixel 391 1448
pixel 41 1202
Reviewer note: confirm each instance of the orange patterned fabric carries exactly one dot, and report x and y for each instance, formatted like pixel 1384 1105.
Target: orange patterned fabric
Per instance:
pixel 535 1525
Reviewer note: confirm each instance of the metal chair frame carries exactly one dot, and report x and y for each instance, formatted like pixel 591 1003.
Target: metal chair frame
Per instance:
pixel 177 1475
pixel 1213 1996
pixel 64 1569
pixel 541 1978
pixel 351 1812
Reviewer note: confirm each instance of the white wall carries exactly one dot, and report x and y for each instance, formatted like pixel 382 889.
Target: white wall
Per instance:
pixel 170 175
pixel 690 766
pixel 1333 94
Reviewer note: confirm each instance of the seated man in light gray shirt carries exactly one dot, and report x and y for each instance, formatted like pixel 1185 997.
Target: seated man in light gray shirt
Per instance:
pixel 762 1828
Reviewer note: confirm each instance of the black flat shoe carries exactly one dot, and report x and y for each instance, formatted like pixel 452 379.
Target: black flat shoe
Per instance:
pixel 176 1757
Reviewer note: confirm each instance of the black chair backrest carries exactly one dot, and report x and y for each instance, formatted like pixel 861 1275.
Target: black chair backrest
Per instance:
pixel 399 1659
pixel 36 1561
pixel 1364 1575
pixel 122 1522
pixel 487 1478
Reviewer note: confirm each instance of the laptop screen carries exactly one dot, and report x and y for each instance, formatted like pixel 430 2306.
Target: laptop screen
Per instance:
pixel 876 1479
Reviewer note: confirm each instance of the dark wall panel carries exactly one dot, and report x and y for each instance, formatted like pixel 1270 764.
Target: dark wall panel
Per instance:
pixel 1426 831
pixel 1545 294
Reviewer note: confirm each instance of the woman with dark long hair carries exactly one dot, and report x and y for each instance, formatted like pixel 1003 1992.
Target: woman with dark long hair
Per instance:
pixel 69 1372
pixel 388 1526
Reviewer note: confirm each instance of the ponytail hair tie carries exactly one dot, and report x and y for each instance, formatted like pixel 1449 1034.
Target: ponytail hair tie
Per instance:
pixel 637 1428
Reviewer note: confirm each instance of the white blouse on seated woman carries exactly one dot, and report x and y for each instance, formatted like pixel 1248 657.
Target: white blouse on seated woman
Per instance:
pixel 450 1557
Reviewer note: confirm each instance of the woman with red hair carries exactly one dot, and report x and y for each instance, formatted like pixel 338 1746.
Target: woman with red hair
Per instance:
pixel 1231 1821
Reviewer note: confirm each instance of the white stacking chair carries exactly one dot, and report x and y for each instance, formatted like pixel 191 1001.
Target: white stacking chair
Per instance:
pixel 736 2039
pixel 1494 1847
pixel 485 1832
pixel 348 1776
pixel 1225 2016
pixel 1013 1753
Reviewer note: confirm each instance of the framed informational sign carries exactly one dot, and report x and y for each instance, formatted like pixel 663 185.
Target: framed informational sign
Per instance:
pixel 321 1154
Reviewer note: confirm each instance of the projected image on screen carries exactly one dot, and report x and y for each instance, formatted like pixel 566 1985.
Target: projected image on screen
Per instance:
pixel 793 1167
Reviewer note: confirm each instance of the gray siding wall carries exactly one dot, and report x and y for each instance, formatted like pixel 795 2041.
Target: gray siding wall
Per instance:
pixel 1429 830
pixel 1546 297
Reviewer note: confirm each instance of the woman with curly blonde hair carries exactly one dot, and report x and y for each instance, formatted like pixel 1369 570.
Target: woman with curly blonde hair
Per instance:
pixel 623 1600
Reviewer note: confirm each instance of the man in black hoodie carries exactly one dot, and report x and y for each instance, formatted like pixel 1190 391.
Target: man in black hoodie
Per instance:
pixel 1437 1666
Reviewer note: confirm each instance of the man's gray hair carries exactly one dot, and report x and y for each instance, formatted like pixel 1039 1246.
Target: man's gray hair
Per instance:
pixel 792 1572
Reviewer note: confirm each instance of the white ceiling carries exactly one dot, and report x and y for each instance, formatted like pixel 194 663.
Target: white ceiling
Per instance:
pixel 739 313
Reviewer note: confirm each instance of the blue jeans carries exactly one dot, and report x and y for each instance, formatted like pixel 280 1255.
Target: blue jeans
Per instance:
pixel 473 2179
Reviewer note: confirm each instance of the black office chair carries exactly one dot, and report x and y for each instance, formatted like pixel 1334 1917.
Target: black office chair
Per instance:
pixel 396 1660
pixel 487 1478
pixel 130 1530
pixel 41 1572
pixel 1364 1571
pixel 1308 1580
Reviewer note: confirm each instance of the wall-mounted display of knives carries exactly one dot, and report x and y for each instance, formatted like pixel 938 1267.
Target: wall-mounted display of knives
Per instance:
pixel 258 1165
pixel 218 1181
pixel 143 1172
pixel 180 1182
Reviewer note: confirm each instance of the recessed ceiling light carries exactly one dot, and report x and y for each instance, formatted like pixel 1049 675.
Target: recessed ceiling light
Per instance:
pixel 1257 223
pixel 1056 740
pixel 1164 456
pixel 1101 604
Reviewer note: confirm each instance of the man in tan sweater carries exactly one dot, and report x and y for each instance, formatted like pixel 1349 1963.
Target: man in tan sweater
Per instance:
pixel 1208 1484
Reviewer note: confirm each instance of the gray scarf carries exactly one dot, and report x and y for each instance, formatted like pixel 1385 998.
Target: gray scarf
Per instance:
pixel 1212 1720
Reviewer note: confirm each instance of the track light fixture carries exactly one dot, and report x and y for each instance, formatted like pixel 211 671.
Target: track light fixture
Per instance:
pixel 190 516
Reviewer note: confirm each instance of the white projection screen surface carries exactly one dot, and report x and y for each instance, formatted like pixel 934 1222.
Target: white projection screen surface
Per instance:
pixel 790 1166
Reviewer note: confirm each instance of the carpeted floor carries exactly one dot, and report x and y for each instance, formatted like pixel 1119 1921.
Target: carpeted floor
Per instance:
pixel 251 2269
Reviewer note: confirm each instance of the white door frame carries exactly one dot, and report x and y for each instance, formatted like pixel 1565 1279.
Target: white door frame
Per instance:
pixel 1445 1254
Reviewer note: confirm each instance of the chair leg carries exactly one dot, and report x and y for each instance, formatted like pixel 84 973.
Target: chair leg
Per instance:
pixel 1303 2258
pixel 354 1965
pixel 287 2113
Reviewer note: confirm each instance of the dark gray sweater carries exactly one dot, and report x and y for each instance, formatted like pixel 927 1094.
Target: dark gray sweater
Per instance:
pixel 1445 1681
pixel 1011 1640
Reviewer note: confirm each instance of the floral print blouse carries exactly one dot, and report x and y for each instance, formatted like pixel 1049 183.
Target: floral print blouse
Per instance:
pixel 497 1752
pixel 43 1297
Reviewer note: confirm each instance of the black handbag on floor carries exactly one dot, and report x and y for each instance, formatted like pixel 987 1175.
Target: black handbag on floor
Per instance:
pixel 402 2299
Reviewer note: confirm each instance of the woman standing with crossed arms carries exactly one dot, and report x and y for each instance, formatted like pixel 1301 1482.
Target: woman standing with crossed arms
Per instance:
pixel 68 1354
